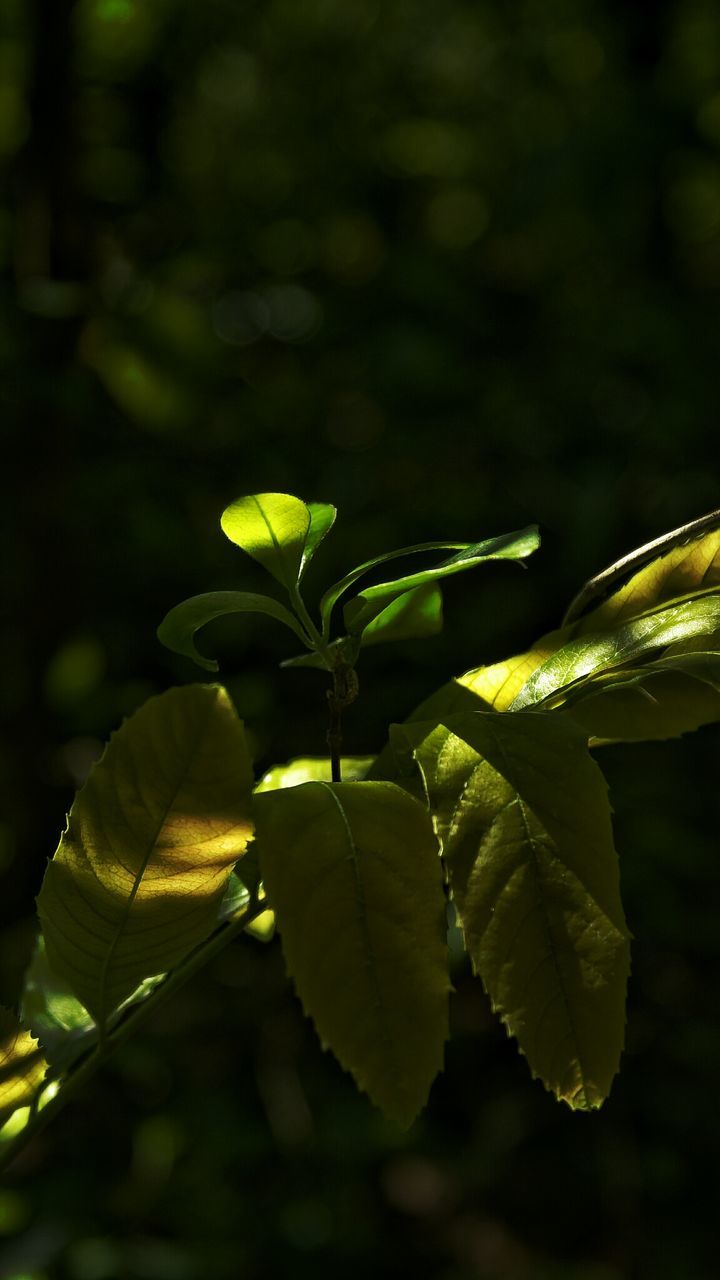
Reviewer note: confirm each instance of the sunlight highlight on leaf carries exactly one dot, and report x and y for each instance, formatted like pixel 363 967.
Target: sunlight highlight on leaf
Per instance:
pixel 151 840
pixel 273 528
pixel 22 1065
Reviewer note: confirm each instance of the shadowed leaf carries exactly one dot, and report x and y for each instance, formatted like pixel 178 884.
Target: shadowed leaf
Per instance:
pixel 178 627
pixel 524 820
pixel 352 873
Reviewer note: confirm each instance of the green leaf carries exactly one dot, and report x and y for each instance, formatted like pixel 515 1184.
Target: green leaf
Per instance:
pixel 690 567
pixel 524 819
pixel 151 840
pixel 410 616
pixel 322 519
pixel 53 1014
pixel 369 603
pixel 674 695
pixel 178 627
pixel 583 658
pixel 333 593
pixel 352 873
pixel 22 1065
pixel 273 528
pixel 312 769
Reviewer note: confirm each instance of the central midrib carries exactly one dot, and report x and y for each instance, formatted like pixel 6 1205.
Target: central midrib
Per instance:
pixel 122 923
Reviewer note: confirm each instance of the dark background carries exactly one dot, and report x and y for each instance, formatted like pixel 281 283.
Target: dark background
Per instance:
pixel 453 266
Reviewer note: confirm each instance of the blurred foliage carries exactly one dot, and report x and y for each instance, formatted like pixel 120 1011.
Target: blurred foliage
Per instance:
pixel 455 268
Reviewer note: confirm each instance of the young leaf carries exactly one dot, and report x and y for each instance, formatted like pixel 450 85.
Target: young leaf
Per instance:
pixel 178 627
pixel 151 839
pixel 322 519
pixel 273 528
pixel 361 611
pixel 410 616
pixel 352 873
pixel 22 1065
pixel 523 814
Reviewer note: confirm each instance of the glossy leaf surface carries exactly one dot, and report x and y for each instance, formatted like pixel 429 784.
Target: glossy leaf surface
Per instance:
pixel 178 628
pixel 151 840
pixel 584 657
pixel 352 872
pixel 523 815
pixel 273 528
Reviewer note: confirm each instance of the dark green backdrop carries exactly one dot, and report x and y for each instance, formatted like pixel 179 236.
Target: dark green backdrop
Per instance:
pixel 454 266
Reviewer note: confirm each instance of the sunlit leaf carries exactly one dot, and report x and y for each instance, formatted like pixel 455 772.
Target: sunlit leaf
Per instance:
pixel 322 519
pixel 333 594
pixel 273 528
pixel 312 769
pixel 499 684
pixel 690 568
pixel 524 819
pixel 151 839
pixel 178 627
pixel 352 872
pixel 361 611
pixel 582 658
pixel 22 1065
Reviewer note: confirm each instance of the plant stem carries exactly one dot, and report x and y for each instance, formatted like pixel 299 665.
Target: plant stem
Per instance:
pixel 342 694
pixel 85 1070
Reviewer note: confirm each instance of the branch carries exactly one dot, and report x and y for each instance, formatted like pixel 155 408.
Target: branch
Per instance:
pixel 86 1068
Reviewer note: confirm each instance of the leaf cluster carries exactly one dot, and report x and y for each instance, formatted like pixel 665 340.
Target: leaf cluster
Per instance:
pixel 486 804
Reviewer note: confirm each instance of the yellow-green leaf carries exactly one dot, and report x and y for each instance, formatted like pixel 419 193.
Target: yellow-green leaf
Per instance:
pixel 585 657
pixel 690 568
pixel 151 840
pixel 523 814
pixel 273 528
pixel 22 1065
pixel 353 874
pixel 499 684
pixel 312 769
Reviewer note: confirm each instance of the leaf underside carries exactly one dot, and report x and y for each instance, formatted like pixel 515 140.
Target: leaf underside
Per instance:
pixel 22 1065
pixel 151 840
pixel 523 815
